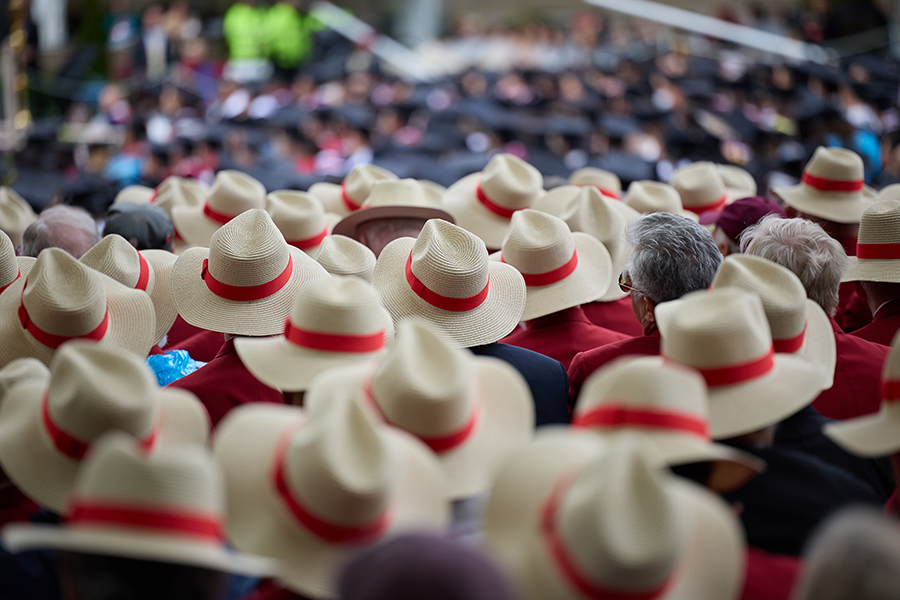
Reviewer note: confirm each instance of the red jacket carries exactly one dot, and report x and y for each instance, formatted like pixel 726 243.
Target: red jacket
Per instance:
pixel 884 324
pixel 857 378
pixel 852 311
pixel 770 576
pixel 225 383
pixel 202 346
pixel 616 315
pixel 180 331
pixel 562 335
pixel 269 590
pixel 586 363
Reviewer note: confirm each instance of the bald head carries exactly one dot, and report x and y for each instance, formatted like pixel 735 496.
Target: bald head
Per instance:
pixel 66 227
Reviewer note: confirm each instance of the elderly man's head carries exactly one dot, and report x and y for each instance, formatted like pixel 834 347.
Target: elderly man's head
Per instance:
pixel 804 248
pixel 67 227
pixel 672 256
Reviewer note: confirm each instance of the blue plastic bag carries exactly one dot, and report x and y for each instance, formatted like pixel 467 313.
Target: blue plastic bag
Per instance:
pixel 172 365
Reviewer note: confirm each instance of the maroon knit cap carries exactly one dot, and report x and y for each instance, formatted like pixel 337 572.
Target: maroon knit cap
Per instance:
pixel 741 214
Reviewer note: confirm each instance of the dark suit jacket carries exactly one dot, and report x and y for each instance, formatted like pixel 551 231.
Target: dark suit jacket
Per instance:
pixel 884 325
pixel 546 378
pixel 585 363
pixel 616 315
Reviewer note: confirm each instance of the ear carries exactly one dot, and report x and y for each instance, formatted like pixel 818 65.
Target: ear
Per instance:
pixel 861 291
pixel 648 315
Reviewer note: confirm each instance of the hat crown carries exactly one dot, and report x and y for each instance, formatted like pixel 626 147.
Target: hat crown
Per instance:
pixel 511 182
pixel 62 296
pixel 698 184
pixel 653 196
pixel 341 305
pixel 341 255
pixel 359 182
pixel 596 216
pixel 22 370
pixel 116 258
pixel 737 179
pixel 399 192
pixel 597 178
pixel 425 385
pixel 837 164
pixel 15 213
pixel 9 266
pixel 449 260
pixel 537 242
pixel 248 250
pixel 234 192
pixel 298 215
pixel 176 191
pixel 880 223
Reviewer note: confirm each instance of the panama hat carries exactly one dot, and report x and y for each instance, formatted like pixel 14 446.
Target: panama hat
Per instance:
pixel 394 199
pixel 799 326
pixel 148 271
pixel 167 506
pixel 561 269
pixel 347 197
pixel 62 300
pixel 739 183
pixel 232 193
pixel 653 196
pixel 134 194
pixel 605 182
pixel 245 282
pixel 15 214
pixel 311 490
pixel 22 370
pixel 574 524
pixel 340 255
pixel 725 336
pixel 700 187
pixel 483 203
pixel 12 267
pixel 878 244
pixel 334 321
pixel 875 434
pixel 832 187
pixel 300 218
pixel 47 428
pixel 472 412
pixel 889 192
pixel 445 277
pixel 586 210
pixel 663 407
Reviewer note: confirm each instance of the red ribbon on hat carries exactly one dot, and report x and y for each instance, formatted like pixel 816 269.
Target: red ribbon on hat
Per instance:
pixel 329 532
pixel 144 277
pixel 616 415
pixel 823 184
pixel 200 525
pixel 603 190
pixel 500 211
pixel 3 287
pixel 154 195
pixel 215 215
pixel 248 292
pixel 310 242
pixel 697 210
pixel 550 277
pixel 791 344
pixel 443 302
pixel 890 390
pixel 348 201
pixel 55 341
pixel 333 342
pixel 877 251
pixel 733 374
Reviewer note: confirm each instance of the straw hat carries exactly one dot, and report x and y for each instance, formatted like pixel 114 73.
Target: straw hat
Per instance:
pixel 300 218
pixel 739 183
pixel 334 321
pixel 700 187
pixel 148 271
pixel 62 300
pixel 724 335
pixel 394 199
pixel 875 434
pixel 653 196
pixel 483 203
pixel 232 193
pixel 15 214
pixel 567 524
pixel 12 267
pixel 120 487
pixel 245 282
pixel 178 191
pixel 22 370
pixel 444 277
pixel 349 196
pixel 561 269
pixel 586 210
pixel 663 407
pixel 799 326
pixel 606 182
pixel 878 244
pixel 134 194
pixel 341 255
pixel 832 187
pixel 471 411
pixel 46 428
pixel 889 192
pixel 310 491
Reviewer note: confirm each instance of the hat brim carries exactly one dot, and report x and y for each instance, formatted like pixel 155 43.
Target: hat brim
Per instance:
pixel 350 224
pixel 833 206
pixel 201 308
pixel 193 225
pixel 259 523
pixel 619 252
pixel 161 262
pixel 883 270
pixel 819 348
pixel 870 435
pixel 492 320
pixel 329 194
pixel 34 464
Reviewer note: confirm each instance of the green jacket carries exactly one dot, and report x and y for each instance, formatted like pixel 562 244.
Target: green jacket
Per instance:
pixel 289 35
pixel 245 31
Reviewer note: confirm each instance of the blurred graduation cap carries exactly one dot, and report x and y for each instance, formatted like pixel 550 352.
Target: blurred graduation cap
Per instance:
pixel 627 166
pixel 618 126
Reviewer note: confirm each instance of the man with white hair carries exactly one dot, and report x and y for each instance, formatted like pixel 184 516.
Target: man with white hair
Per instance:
pixel 67 227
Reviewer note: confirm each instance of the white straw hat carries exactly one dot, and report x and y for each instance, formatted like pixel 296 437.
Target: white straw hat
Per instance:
pixel 22 370
pixel 335 321
pixel 310 491
pixel 701 188
pixel 147 270
pixel 653 196
pixel 725 336
pixel 832 187
pixel 472 412
pixel 167 506
pixel 572 525
pixel 245 282
pixel 47 428
pixel 878 244
pixel 232 193
pixel 178 191
pixel 799 326
pixel 62 299
pixel 739 183
pixel 483 203
pixel 445 277
pixel 134 194
pixel 341 255
pixel 352 192
pixel 15 214
pixel 12 267
pixel 889 192
pixel 300 218
pixel 561 269
pixel 605 182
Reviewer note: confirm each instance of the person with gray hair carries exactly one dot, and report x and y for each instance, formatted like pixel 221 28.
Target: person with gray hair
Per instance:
pixel 819 261
pixel 673 256
pixel 62 226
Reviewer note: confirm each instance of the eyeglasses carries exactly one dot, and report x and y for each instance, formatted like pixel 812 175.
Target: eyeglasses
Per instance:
pixel 625 286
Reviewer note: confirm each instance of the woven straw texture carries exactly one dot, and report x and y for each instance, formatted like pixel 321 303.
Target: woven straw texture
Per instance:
pixel 653 196
pixel 596 178
pixel 12 266
pixel 358 184
pixel 880 224
pixel 340 255
pixel 299 216
pixel 232 193
pixel 699 184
